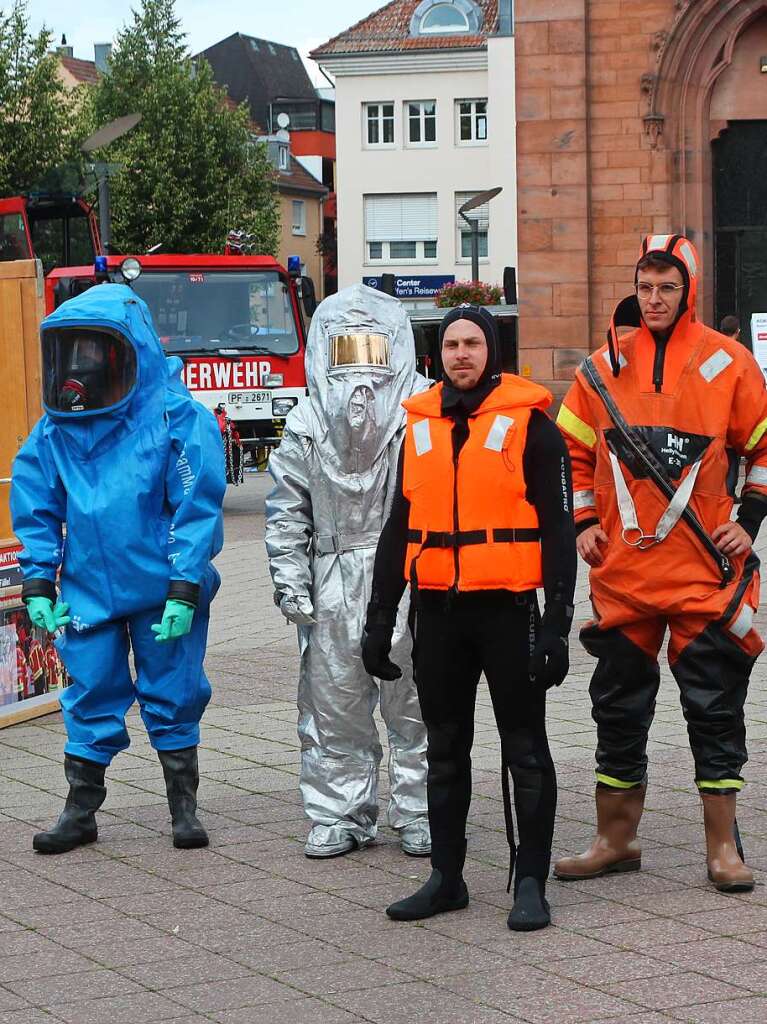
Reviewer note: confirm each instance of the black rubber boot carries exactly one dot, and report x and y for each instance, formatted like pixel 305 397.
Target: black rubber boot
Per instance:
pixel 443 891
pixel 77 823
pixel 531 909
pixel 181 780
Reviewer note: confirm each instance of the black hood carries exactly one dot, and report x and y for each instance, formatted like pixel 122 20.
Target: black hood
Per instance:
pixel 455 400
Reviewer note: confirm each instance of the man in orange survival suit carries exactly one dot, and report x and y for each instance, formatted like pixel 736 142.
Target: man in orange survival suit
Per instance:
pixel 697 400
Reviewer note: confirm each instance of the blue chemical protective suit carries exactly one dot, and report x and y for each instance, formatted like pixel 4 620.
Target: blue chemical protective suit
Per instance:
pixel 139 485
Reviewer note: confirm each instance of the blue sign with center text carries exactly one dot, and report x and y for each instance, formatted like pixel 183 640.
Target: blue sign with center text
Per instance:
pixel 407 287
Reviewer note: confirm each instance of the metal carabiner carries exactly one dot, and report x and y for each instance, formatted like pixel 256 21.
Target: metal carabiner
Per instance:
pixel 642 542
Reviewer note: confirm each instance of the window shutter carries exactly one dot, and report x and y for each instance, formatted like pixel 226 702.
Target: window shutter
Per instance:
pixel 399 218
pixel 480 213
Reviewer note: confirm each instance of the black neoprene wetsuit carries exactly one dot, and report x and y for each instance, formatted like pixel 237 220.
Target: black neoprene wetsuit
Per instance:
pixel 460 635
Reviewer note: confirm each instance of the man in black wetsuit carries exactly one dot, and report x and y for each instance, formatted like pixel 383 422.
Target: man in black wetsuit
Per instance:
pixel 482 516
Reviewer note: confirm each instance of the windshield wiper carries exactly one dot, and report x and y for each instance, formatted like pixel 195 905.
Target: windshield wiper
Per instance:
pixel 258 350
pixel 189 351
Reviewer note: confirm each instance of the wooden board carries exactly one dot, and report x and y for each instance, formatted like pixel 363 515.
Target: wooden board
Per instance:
pixel 22 307
pixel 21 310
pixel 24 710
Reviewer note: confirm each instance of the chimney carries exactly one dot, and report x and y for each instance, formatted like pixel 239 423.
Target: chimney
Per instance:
pixel 102 53
pixel 505 18
pixel 64 50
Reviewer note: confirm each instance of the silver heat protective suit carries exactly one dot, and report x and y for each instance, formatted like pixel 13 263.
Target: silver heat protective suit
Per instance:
pixel 334 476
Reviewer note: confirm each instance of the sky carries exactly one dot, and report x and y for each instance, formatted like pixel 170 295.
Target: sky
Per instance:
pixel 300 23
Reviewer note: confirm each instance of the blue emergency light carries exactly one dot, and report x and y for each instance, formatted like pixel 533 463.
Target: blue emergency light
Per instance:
pixel 101 266
pixel 294 266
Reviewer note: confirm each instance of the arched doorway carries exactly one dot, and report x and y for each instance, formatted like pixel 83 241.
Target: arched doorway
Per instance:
pixel 738 117
pixel 706 107
pixel 740 222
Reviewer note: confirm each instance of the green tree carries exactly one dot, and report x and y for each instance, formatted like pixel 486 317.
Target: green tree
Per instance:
pixel 36 115
pixel 190 170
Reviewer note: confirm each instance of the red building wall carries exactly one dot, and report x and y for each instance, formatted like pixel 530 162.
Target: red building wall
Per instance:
pixel 614 128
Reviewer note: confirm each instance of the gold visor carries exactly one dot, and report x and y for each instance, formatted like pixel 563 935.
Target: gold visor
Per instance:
pixel 359 350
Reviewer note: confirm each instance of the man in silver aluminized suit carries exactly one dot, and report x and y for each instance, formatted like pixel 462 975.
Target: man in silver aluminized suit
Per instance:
pixel 334 475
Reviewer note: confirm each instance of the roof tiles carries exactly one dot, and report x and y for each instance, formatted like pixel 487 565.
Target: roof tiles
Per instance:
pixel 388 30
pixel 82 70
pixel 299 179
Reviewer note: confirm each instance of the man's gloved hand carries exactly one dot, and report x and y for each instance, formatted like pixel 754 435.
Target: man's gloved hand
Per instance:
pixel 176 621
pixel 43 614
pixel 550 660
pixel 296 608
pixel 376 643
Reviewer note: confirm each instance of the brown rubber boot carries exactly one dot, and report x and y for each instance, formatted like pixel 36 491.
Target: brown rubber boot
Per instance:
pixel 615 848
pixel 725 866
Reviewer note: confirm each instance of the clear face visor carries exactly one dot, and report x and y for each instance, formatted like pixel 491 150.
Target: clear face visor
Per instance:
pixel 86 370
pixel 351 351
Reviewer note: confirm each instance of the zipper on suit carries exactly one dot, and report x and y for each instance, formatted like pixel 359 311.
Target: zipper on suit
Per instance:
pixel 456 561
pixel 658 365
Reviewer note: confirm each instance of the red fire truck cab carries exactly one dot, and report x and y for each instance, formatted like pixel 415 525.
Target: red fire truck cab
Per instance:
pixel 235 321
pixel 59 229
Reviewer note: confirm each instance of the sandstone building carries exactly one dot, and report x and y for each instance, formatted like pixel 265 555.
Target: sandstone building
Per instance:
pixel 635 116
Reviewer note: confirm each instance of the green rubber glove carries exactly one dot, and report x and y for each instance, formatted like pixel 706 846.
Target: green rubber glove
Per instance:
pixel 176 621
pixel 45 616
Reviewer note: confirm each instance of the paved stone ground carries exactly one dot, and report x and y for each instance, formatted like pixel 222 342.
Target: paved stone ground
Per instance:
pixel 131 931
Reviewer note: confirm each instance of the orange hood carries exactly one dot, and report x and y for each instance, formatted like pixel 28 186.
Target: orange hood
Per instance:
pixel 677 251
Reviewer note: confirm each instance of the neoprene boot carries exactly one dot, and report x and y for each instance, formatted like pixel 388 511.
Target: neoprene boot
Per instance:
pixel 531 910
pixel 181 780
pixel 615 847
pixel 444 890
pixel 77 823
pixel 725 865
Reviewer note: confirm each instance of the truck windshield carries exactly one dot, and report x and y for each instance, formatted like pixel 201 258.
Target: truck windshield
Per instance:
pixel 201 311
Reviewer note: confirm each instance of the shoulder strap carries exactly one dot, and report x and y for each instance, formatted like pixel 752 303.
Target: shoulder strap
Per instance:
pixel 654 467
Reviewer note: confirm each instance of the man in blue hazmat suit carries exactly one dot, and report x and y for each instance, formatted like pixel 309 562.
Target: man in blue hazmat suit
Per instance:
pixel 134 467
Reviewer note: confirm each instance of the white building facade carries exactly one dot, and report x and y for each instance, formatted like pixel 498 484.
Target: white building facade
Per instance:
pixel 424 120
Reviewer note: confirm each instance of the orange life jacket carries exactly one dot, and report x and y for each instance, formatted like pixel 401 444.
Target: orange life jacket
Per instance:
pixel 470 525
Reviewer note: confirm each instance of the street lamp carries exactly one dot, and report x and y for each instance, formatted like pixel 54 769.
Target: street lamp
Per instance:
pixel 109 133
pixel 471 204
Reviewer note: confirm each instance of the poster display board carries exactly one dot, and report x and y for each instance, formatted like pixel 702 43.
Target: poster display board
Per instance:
pixel 759 339
pixel 29 662
pixel 31 674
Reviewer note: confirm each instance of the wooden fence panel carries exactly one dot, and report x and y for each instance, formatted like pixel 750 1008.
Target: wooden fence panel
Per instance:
pixel 21 310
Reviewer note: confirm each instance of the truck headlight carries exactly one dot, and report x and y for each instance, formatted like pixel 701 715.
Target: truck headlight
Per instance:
pixel 130 268
pixel 282 406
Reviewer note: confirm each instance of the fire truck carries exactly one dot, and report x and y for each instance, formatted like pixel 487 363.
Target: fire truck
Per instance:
pixel 235 321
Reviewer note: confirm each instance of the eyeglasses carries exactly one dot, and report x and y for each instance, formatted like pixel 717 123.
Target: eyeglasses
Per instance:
pixel 666 291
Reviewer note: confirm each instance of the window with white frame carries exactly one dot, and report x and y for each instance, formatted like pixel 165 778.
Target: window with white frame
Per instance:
pixel 299 217
pixel 282 158
pixel 463 240
pixel 401 228
pixel 471 122
pixel 443 18
pixel 446 17
pixel 379 124
pixel 421 121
